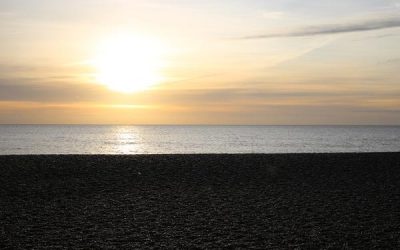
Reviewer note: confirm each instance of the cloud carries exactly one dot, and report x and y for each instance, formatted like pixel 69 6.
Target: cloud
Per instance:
pixel 48 92
pixel 392 61
pixel 376 24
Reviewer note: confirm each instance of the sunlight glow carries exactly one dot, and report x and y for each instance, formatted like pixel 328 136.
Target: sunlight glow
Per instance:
pixel 128 140
pixel 127 63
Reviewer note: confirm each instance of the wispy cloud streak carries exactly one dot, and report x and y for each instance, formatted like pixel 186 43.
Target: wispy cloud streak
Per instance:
pixel 376 24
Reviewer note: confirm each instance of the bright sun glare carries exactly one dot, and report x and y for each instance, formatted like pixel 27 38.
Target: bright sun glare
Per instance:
pixel 126 63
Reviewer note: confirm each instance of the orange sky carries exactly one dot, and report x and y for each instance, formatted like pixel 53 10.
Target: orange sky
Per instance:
pixel 191 62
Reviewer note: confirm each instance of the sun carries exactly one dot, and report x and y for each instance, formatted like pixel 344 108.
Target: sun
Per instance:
pixel 128 63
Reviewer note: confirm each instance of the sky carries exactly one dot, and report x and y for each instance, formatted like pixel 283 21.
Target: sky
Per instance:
pixel 281 62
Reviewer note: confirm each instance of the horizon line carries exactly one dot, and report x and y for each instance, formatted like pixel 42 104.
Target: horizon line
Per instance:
pixel 180 124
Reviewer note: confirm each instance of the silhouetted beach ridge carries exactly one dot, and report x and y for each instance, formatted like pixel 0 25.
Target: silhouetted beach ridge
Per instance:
pixel 338 200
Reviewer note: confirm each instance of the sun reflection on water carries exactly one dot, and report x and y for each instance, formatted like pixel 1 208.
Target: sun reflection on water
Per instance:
pixel 128 141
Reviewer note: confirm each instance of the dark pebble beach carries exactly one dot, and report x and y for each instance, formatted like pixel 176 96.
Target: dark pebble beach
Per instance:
pixel 278 201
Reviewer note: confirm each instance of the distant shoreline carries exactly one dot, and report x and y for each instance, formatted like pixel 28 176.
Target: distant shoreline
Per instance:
pixel 299 200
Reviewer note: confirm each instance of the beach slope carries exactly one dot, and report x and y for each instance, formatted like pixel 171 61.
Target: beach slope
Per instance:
pixel 303 201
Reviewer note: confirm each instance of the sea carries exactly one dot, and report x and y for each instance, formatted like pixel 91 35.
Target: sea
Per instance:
pixel 171 139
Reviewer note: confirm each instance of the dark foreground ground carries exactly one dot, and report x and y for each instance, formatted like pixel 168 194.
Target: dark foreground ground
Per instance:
pixel 303 201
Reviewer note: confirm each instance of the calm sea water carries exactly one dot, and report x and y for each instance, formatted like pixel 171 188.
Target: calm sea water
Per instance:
pixel 85 139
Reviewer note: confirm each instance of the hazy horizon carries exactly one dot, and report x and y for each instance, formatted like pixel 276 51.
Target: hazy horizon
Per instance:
pixel 178 62
pixel 198 124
